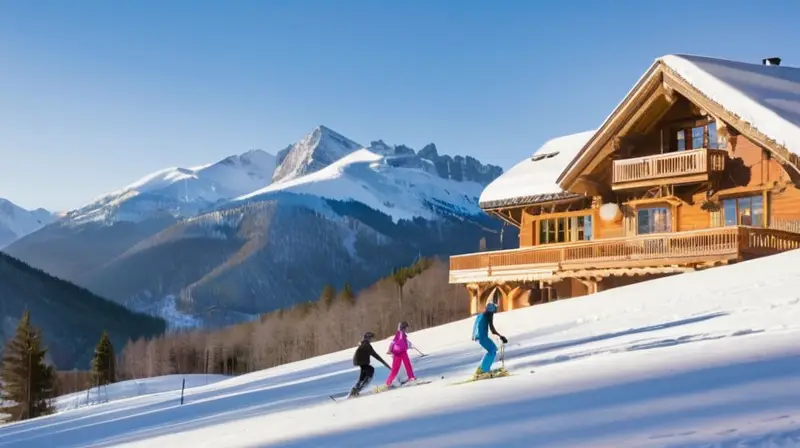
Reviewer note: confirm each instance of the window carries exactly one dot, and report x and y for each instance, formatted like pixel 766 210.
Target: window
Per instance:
pixel 653 220
pixel 681 140
pixel 562 230
pixel 713 139
pixel 745 211
pixel 696 137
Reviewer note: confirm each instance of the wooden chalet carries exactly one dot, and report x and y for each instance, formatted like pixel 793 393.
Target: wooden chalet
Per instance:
pixel 696 167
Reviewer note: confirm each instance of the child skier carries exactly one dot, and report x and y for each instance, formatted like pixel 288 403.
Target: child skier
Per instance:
pixel 480 332
pixel 361 358
pixel 399 350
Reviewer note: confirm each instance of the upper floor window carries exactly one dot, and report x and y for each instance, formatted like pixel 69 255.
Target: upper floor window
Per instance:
pixel 745 211
pixel 696 137
pixel 653 220
pixel 562 230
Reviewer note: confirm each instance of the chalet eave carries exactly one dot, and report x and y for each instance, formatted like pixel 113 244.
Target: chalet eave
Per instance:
pixel 649 83
pixel 524 201
pixel 510 210
pixel 655 253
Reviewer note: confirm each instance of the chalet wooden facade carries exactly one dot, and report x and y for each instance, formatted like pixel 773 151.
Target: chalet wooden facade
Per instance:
pixel 696 167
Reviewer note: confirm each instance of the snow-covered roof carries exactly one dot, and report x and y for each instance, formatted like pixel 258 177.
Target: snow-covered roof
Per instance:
pixel 534 179
pixel 765 96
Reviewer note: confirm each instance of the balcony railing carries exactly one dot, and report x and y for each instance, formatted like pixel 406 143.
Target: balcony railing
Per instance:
pixel 721 243
pixel 676 164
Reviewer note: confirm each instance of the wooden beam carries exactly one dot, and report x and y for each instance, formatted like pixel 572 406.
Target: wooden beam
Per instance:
pixel 499 213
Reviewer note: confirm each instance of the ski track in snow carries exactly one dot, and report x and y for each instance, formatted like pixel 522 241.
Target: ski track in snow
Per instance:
pixel 706 359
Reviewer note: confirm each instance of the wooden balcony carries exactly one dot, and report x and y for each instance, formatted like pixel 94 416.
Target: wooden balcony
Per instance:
pixel 675 168
pixel 667 249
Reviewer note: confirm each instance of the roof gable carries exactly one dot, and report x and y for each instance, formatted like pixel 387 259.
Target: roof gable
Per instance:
pixel 534 179
pixel 765 99
pixel 765 96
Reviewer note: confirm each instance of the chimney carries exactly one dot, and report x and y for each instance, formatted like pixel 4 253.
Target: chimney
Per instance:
pixel 771 61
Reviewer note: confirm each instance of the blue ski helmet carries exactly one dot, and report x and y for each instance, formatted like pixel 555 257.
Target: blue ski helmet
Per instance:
pixel 491 307
pixel 369 335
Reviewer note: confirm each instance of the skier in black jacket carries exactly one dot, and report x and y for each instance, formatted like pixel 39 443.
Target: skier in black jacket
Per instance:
pixel 361 358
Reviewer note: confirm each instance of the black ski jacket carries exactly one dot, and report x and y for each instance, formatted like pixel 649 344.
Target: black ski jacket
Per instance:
pixel 363 353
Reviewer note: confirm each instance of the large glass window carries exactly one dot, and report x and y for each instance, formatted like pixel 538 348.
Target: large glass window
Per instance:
pixel 696 137
pixel 653 220
pixel 562 230
pixel 745 211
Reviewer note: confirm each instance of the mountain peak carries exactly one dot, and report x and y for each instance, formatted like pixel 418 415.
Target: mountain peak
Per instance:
pixel 318 149
pixel 16 222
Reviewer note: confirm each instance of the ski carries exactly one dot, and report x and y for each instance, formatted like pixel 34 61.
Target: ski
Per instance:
pixel 379 389
pixel 403 384
pixel 498 373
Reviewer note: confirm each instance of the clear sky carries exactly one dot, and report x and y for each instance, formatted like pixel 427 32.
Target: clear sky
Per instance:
pixel 95 94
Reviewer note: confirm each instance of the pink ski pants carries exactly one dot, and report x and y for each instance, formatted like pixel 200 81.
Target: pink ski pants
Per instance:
pixel 396 360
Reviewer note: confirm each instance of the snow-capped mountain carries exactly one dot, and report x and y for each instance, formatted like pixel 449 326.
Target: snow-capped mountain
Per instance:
pixel 378 182
pixel 313 152
pixel 254 232
pixel 181 192
pixel 16 222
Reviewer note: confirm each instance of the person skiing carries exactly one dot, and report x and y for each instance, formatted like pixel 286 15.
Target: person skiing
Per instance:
pixel 480 332
pixel 361 358
pixel 399 351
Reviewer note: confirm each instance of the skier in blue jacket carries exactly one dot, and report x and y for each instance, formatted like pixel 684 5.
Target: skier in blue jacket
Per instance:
pixel 480 332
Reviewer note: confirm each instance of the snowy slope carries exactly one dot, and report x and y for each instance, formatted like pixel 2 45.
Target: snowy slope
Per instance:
pixel 134 388
pixel 182 191
pixel 16 222
pixel 367 177
pixel 701 359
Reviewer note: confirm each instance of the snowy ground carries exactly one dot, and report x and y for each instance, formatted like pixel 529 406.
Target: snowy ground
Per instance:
pixel 134 388
pixel 702 359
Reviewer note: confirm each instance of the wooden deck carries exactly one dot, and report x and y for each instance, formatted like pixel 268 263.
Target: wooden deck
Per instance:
pixel 673 250
pixel 678 167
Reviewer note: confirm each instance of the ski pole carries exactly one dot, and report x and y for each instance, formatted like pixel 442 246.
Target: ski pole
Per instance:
pixel 421 354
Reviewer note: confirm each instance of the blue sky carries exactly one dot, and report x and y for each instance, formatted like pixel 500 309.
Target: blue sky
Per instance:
pixel 95 94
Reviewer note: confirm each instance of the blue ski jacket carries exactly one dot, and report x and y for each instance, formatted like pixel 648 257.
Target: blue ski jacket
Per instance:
pixel 483 323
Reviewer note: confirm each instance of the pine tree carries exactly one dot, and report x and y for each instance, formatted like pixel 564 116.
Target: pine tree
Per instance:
pixel 328 295
pixel 347 294
pixel 103 364
pixel 28 383
pixel 400 277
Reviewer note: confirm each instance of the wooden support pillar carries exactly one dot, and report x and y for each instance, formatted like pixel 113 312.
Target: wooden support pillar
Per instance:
pixel 475 292
pixel 473 302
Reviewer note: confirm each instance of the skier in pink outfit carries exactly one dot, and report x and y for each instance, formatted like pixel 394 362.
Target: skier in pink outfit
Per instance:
pixel 399 351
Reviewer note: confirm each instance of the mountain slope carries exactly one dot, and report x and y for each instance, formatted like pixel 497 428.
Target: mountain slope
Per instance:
pixel 93 235
pixel 337 214
pixel 703 359
pixel 71 317
pixel 16 222
pixel 181 192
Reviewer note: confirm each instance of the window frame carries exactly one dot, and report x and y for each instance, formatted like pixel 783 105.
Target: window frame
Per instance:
pixel 735 200
pixel 685 128
pixel 552 225
pixel 668 220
